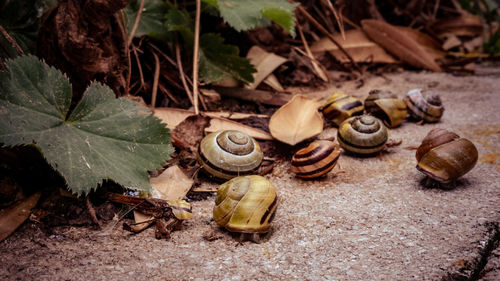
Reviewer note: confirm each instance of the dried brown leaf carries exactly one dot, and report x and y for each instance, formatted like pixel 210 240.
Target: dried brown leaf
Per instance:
pixel 297 120
pixel 218 124
pixel 12 217
pixel 264 62
pixel 463 25
pixel 399 44
pixel 171 184
pixel 359 47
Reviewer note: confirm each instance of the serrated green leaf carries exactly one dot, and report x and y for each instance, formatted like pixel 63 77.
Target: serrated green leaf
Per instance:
pixel 152 18
pixel 218 60
pixel 103 138
pixel 244 15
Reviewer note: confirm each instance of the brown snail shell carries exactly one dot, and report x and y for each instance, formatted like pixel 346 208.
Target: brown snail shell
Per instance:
pixel 340 106
pixel 443 156
pixel 227 154
pixel 362 135
pixel 387 107
pixel 315 160
pixel 425 106
pixel 246 204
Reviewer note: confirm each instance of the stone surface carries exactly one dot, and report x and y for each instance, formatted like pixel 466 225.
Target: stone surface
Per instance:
pixel 373 220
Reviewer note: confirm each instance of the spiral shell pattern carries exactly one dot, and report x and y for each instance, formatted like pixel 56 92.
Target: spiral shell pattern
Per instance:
pixel 227 154
pixel 424 106
pixel 246 204
pixel 340 106
pixel 315 160
pixel 362 135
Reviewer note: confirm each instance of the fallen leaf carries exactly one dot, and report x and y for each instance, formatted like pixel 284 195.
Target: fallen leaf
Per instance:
pixel 218 124
pixel 142 221
pixel 357 45
pixel 464 25
pixel 297 120
pixel 171 184
pixel 12 217
pixel 264 62
pixel 399 44
pixel 174 116
pixel 264 97
pixel 273 82
pixel 432 46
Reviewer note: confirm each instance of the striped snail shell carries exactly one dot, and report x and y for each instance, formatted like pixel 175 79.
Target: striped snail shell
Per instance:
pixel 424 106
pixel 387 107
pixel 227 154
pixel 443 156
pixel 340 106
pixel 246 204
pixel 316 159
pixel 362 134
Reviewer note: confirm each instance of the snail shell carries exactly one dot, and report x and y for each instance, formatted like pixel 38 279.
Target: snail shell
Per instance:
pixel 387 107
pixel 424 106
pixel 246 204
pixel 362 134
pixel 227 154
pixel 340 106
pixel 444 156
pixel 316 159
pixel 181 209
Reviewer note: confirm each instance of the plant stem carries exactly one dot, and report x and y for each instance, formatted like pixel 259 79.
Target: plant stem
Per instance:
pixel 196 56
pixel 181 72
pixel 136 23
pixel 155 81
pixel 11 41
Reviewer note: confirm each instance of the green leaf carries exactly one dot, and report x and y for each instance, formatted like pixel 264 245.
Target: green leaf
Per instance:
pixel 244 15
pixel 152 18
pixel 218 60
pixel 180 21
pixel 103 138
pixel 211 2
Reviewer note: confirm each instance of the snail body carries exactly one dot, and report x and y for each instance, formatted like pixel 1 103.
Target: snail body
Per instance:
pixel 425 106
pixel 443 156
pixel 340 106
pixel 246 204
pixel 315 160
pixel 227 154
pixel 387 107
pixel 362 135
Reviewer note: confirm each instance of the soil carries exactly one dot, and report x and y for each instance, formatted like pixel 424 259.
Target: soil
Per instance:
pixel 370 218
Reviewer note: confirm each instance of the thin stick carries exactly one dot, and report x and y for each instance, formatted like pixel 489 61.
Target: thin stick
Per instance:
pixel 92 213
pixel 155 81
pixel 181 72
pixel 309 54
pixel 126 49
pixel 196 56
pixel 141 75
pixel 136 23
pixel 339 20
pixel 329 35
pixel 11 41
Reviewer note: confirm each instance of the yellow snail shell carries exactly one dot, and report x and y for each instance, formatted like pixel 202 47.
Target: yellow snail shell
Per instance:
pixel 246 204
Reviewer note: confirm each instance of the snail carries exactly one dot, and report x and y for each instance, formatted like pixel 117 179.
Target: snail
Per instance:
pixel 362 135
pixel 246 204
pixel 340 106
pixel 387 107
pixel 316 159
pixel 424 106
pixel 443 156
pixel 227 154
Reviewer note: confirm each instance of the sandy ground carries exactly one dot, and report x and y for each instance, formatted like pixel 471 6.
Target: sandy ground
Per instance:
pixel 374 221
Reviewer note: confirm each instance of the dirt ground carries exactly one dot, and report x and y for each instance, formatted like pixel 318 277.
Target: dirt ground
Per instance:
pixel 373 221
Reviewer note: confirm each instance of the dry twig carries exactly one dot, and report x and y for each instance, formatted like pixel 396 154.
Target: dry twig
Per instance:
pixel 155 81
pixel 196 56
pixel 181 73
pixel 11 41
